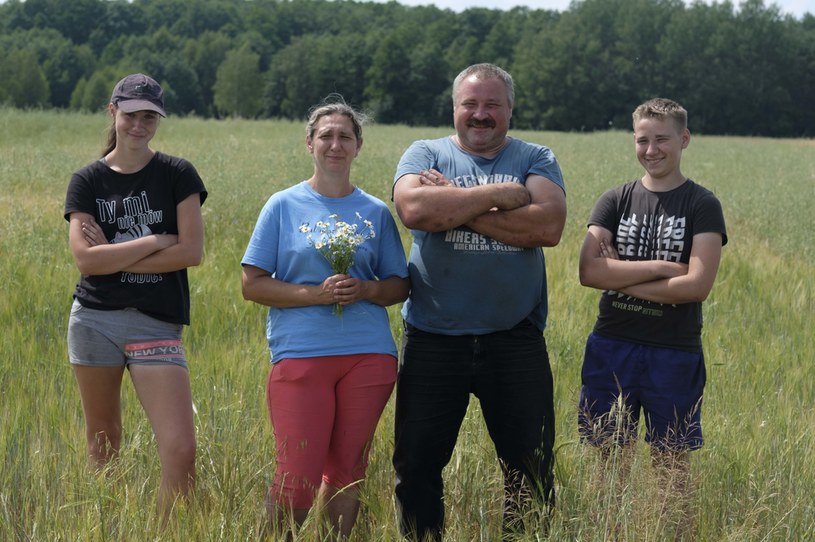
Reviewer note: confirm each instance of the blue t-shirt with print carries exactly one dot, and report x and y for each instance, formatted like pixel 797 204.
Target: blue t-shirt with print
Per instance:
pixel 463 282
pixel 279 245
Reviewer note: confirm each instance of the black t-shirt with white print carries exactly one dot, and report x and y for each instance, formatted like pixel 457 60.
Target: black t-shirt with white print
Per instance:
pixel 128 206
pixel 649 225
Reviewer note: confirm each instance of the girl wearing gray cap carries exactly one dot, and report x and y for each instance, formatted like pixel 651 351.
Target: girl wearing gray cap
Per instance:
pixel 135 227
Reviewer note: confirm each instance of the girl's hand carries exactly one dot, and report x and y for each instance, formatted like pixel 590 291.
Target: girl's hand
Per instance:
pixel 93 233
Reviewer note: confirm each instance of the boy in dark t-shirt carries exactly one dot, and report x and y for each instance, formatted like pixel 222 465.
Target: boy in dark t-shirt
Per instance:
pixel 653 248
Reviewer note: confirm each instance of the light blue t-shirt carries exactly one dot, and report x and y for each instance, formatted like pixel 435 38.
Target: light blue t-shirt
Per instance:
pixel 463 282
pixel 279 246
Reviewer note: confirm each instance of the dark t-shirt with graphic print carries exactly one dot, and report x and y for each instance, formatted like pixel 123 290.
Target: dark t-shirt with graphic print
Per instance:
pixel 649 225
pixel 128 206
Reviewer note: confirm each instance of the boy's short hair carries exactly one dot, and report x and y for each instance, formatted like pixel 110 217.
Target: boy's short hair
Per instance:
pixel 661 109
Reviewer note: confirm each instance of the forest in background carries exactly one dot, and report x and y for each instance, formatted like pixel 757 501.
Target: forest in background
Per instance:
pixel 740 69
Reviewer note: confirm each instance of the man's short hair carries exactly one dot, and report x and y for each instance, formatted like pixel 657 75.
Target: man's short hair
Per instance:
pixel 486 71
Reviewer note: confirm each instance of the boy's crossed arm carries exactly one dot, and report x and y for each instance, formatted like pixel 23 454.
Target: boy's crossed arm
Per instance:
pixel 658 281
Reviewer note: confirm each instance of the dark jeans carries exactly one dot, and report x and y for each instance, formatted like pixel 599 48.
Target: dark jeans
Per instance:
pixel 509 373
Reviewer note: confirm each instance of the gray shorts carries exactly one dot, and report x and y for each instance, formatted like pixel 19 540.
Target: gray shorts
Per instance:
pixel 120 337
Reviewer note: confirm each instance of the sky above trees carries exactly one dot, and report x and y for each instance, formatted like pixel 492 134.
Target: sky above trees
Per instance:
pixel 796 8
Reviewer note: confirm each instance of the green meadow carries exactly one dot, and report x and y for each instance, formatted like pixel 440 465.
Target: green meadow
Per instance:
pixel 754 479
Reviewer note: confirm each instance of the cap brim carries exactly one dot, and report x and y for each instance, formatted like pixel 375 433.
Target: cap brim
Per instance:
pixel 131 106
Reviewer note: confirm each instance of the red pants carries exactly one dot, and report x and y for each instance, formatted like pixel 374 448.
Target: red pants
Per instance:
pixel 324 412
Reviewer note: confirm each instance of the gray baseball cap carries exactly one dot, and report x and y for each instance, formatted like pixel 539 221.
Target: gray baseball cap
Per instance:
pixel 138 92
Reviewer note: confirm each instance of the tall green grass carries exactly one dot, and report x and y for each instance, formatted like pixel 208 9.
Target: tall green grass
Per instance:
pixel 754 479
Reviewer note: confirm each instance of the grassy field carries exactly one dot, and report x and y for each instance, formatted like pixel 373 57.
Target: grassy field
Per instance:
pixel 755 478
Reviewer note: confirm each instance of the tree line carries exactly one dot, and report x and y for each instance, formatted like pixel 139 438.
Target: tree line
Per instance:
pixel 741 70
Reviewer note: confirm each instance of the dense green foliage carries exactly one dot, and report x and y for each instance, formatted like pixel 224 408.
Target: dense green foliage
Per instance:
pixel 744 70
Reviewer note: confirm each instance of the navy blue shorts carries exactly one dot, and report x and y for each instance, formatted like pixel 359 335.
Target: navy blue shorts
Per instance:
pixel 621 378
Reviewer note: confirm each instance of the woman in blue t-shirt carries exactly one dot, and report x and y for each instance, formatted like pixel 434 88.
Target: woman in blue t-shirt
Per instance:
pixel 327 260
